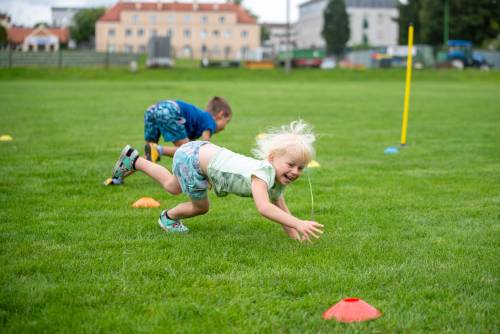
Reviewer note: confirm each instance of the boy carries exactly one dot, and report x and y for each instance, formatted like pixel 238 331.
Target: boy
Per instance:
pixel 180 122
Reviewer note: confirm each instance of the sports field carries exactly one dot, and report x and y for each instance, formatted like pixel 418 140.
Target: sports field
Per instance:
pixel 416 234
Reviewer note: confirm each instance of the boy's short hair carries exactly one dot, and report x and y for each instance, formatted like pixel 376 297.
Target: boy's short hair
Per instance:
pixel 218 104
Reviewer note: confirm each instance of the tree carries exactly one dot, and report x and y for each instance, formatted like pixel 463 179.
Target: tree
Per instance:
pixel 83 28
pixel 38 24
pixel 264 33
pixel 336 30
pixel 474 20
pixel 408 14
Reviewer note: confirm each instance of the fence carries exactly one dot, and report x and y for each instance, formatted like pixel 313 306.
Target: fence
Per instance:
pixel 65 58
pixel 493 58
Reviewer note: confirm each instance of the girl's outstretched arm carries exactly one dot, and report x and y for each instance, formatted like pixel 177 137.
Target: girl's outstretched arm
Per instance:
pixel 292 233
pixel 305 228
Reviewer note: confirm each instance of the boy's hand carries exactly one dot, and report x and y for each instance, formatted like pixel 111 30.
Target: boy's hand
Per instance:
pixel 308 228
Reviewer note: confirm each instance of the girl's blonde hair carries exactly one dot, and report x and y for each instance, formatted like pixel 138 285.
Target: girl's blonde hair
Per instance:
pixel 296 138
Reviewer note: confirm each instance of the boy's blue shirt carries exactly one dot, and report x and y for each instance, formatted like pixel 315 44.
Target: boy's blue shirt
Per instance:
pixel 197 120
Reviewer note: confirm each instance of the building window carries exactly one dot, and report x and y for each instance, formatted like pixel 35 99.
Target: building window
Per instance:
pixel 222 19
pixel 216 33
pixel 204 19
pixel 111 32
pixel 135 18
pixel 187 18
pixel 170 18
pixel 203 33
pixel 187 33
pixel 111 48
pixel 227 33
pixel 154 32
pixel 128 32
pixel 152 19
pixel 170 32
pixel 128 48
pixel 244 34
pixel 365 23
pixel 140 32
pixel 204 50
pixel 142 48
pixel 365 39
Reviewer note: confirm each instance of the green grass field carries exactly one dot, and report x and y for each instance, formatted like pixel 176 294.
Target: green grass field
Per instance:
pixel 415 234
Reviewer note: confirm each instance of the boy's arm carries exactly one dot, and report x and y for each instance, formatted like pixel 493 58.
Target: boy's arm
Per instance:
pixel 305 228
pixel 205 135
pixel 292 233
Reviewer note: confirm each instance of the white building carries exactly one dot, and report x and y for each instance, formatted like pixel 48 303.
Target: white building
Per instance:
pixel 371 22
pixel 277 40
pixel 63 16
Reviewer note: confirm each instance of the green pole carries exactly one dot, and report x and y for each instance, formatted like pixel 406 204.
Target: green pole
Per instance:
pixel 446 23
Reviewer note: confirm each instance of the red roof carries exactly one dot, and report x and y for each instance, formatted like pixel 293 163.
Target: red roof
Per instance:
pixel 113 13
pixel 18 35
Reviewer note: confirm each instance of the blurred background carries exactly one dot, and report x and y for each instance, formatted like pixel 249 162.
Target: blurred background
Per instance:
pixel 255 34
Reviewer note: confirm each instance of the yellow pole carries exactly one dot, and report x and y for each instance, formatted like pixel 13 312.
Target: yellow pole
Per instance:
pixel 409 65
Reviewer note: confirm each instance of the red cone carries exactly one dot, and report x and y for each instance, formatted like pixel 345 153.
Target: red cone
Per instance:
pixel 352 310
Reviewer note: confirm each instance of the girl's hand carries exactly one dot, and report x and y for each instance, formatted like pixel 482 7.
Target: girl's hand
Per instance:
pixel 308 228
pixel 292 233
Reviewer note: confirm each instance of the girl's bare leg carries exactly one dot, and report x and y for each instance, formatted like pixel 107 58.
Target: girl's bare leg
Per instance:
pixel 159 174
pixel 189 209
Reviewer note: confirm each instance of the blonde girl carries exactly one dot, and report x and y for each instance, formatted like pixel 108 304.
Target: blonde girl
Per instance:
pixel 282 154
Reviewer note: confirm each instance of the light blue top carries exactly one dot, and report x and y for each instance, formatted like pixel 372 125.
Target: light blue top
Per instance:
pixel 230 172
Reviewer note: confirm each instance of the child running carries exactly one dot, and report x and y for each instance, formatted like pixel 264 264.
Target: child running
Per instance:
pixel 283 154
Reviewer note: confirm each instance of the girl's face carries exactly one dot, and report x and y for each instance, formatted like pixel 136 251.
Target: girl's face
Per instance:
pixel 288 167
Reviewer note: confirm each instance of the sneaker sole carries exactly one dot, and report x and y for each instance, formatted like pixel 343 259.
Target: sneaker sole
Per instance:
pixel 162 227
pixel 120 159
pixel 166 229
pixel 147 153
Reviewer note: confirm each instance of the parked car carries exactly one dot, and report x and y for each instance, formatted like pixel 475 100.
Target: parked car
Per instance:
pixel 460 55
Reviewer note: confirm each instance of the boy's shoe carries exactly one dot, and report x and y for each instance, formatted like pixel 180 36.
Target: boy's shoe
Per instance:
pixel 151 151
pixel 110 181
pixel 170 225
pixel 125 164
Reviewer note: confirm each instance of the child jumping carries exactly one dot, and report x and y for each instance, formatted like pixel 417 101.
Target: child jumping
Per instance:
pixel 283 154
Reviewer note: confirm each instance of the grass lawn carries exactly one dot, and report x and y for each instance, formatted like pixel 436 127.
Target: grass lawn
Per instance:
pixel 415 234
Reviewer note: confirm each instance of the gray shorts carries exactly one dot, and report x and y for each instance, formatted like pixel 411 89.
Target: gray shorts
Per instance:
pixel 186 167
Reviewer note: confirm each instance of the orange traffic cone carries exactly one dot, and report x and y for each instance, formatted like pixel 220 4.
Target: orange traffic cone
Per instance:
pixel 352 310
pixel 146 202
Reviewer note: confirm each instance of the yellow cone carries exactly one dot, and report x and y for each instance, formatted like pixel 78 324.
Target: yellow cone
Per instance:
pixel 260 136
pixel 5 138
pixel 313 164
